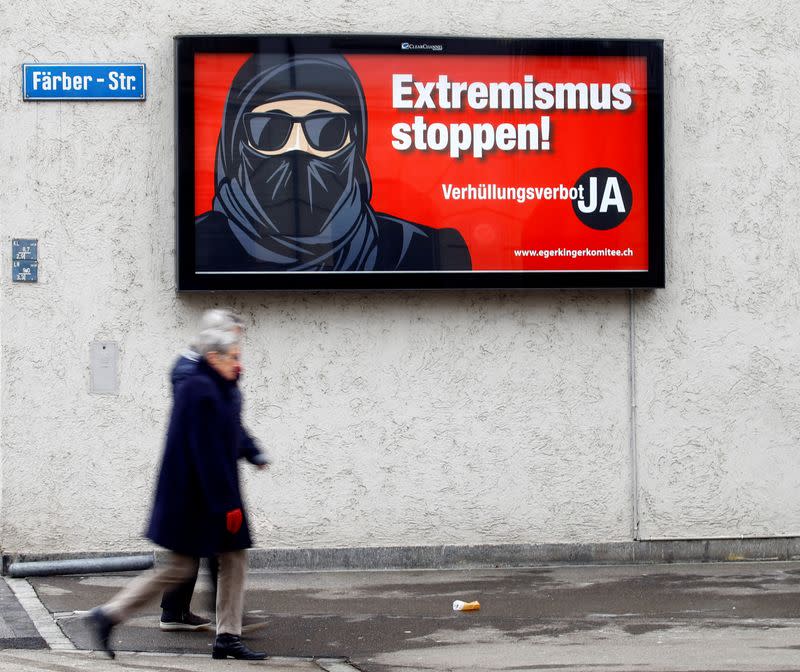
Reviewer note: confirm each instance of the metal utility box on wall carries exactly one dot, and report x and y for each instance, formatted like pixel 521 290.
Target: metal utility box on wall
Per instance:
pixel 104 367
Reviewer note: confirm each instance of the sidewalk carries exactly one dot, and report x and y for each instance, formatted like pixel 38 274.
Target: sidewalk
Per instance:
pixel 16 628
pixel 59 661
pixel 742 617
pixel 31 640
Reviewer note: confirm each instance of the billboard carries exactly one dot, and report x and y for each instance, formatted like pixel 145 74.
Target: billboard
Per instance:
pixel 380 162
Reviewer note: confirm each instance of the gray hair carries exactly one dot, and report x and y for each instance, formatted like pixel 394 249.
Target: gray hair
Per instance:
pixel 216 319
pixel 220 318
pixel 216 340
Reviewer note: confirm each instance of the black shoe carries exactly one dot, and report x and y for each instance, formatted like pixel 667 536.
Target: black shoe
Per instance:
pixel 186 621
pixel 230 645
pixel 101 626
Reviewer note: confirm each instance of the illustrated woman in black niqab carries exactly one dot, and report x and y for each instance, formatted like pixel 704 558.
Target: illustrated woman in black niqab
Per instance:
pixel 292 185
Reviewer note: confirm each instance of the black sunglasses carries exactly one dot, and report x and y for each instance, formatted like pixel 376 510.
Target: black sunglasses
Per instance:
pixel 269 131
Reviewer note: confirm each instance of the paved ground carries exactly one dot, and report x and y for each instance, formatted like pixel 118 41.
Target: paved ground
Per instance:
pixel 677 618
pixel 16 628
pixel 83 661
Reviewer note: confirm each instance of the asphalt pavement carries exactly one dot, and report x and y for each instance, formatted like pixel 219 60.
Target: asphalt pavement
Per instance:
pixel 677 618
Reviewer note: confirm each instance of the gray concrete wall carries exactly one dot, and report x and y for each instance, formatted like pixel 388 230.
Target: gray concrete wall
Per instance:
pixel 410 419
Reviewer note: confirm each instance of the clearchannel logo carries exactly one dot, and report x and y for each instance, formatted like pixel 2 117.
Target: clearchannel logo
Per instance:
pixel 410 46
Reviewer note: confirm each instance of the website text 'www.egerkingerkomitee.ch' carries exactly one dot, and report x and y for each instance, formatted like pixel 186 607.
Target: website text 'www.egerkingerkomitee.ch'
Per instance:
pixel 575 254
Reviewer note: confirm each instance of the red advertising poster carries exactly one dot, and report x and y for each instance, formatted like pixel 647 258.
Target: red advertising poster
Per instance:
pixel 420 167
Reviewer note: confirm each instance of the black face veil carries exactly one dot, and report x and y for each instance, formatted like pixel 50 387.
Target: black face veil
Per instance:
pixel 296 211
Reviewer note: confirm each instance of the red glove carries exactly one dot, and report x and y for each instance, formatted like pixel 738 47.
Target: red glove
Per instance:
pixel 233 521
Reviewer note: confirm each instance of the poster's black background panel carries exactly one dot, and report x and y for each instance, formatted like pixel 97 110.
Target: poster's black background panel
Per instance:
pixel 188 280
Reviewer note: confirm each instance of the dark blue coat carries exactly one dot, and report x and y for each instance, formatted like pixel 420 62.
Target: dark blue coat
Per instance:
pixel 184 367
pixel 199 480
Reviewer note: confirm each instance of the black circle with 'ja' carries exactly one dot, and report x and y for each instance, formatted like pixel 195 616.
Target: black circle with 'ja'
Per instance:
pixel 604 198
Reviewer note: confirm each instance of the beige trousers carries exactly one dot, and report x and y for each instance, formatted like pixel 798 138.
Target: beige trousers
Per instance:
pixel 178 568
pixel 230 592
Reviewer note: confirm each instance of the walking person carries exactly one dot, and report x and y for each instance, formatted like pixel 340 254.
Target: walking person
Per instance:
pixel 176 613
pixel 198 509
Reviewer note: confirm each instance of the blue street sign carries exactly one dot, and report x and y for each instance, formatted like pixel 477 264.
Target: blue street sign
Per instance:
pixel 25 249
pixel 83 81
pixel 25 271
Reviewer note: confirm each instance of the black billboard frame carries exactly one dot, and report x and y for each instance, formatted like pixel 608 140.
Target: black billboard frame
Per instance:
pixel 188 280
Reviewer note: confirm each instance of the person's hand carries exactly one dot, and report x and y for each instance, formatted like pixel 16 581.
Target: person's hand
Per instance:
pixel 260 461
pixel 233 520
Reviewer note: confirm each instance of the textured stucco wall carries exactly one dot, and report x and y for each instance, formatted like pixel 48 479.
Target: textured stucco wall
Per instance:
pixel 718 373
pixel 409 418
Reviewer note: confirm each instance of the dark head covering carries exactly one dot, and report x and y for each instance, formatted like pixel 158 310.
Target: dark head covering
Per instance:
pixel 296 211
